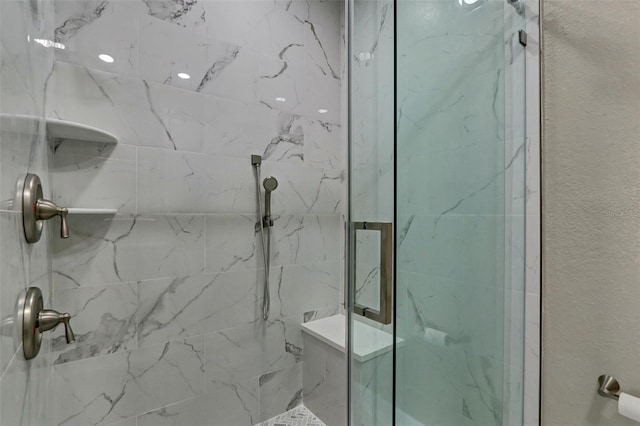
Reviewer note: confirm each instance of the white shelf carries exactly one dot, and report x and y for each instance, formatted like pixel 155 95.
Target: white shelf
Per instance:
pixel 80 210
pixel 60 129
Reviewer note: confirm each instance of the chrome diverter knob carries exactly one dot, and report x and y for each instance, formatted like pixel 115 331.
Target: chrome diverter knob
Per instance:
pixel 36 320
pixel 36 209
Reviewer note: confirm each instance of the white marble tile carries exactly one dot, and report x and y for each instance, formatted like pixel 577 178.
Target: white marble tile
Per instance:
pixel 95 175
pixel 313 367
pixel 131 383
pixel 14 274
pixel 131 421
pixel 280 84
pixel 224 404
pixel 24 390
pixel 267 27
pixel 103 320
pixel 187 15
pixel 183 114
pixel 119 249
pixel 118 104
pixel 320 313
pixel 280 391
pixel 176 307
pixel 90 28
pixel 234 76
pixel 296 289
pixel 225 251
pixel 232 243
pixel 321 68
pixel 427 245
pixel 324 144
pixel 305 190
pixel 287 240
pixel 325 392
pixel 236 354
pixel 323 238
pixel 238 129
pixel 19 138
pixel 182 182
pixel 24 67
pixel 26 63
pixel 166 50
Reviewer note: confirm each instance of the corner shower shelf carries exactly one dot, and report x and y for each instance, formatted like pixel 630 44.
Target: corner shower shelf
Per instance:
pixel 82 210
pixel 62 129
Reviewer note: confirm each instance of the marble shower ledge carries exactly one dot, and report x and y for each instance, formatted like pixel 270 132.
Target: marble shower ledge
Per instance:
pixel 82 210
pixel 368 342
pixel 61 129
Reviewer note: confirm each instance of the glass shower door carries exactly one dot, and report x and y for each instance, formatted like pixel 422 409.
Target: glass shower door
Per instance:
pixel 371 176
pixel 437 151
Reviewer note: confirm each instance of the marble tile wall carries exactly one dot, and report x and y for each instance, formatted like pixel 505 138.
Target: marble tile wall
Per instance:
pixel 25 67
pixel 166 293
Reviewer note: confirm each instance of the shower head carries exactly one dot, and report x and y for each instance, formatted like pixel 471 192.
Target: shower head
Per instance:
pixel 270 184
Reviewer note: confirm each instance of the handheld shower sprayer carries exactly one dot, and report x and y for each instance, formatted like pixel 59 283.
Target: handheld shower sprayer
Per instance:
pixel 263 226
pixel 270 184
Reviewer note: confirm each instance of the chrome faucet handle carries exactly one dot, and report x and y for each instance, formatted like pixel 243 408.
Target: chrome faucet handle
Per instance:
pixel 49 319
pixel 46 209
pixel 36 209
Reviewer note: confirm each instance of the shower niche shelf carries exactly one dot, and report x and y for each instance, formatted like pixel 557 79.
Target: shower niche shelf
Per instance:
pixel 85 211
pixel 62 129
pixel 59 129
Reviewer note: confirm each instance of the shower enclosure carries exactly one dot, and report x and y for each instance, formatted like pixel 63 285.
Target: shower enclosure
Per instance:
pixel 383 283
pixel 437 159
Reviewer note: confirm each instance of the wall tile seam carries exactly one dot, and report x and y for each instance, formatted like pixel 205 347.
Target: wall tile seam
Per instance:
pixel 250 47
pixel 203 273
pixel 14 358
pixel 152 83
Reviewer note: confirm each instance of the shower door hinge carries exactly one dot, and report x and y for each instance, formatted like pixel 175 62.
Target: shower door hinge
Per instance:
pixel 523 37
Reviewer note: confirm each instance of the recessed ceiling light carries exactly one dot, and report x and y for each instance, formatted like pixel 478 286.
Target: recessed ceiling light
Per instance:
pixel 106 58
pixel 323 111
pixel 184 75
pixel 280 99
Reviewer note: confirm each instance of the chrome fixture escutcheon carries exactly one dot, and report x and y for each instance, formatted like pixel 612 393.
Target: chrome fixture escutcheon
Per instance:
pixel 35 210
pixel 609 387
pixel 36 320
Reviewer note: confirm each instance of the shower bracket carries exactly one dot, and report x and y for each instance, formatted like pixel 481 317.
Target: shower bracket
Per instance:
pixel 523 36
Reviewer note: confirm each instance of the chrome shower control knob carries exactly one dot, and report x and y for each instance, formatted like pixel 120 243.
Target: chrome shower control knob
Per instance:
pixel 46 209
pixel 49 319
pixel 36 320
pixel 35 210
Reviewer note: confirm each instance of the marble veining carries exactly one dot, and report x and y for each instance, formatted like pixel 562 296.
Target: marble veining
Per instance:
pixel 73 24
pixel 133 383
pixel 104 321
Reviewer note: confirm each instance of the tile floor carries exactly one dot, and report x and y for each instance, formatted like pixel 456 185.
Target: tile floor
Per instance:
pixel 299 416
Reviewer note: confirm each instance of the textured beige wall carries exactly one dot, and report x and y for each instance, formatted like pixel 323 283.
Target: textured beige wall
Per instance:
pixel 591 198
